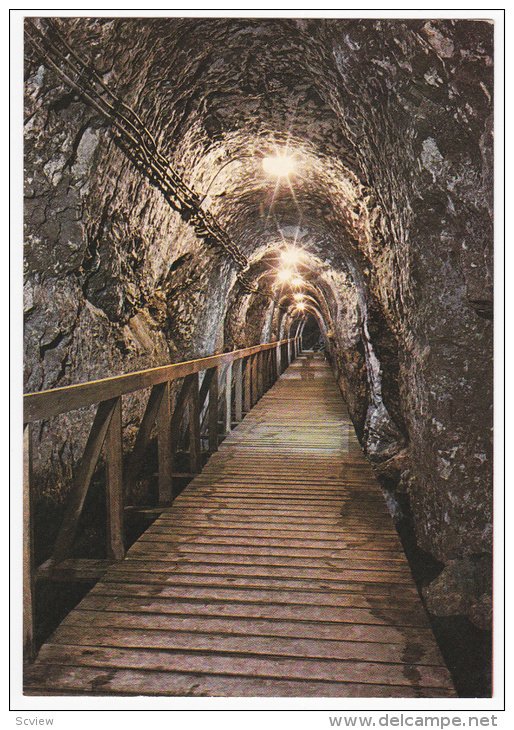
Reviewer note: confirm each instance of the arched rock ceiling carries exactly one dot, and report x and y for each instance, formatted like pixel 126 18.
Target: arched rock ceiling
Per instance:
pixel 356 101
pixel 216 90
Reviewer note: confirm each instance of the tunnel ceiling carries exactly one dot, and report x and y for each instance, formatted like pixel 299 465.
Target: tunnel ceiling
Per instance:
pixel 390 126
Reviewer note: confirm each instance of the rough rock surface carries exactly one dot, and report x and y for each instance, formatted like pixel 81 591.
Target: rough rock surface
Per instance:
pixel 390 122
pixel 462 588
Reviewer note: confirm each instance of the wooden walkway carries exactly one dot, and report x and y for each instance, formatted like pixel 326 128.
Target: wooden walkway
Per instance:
pixel 277 572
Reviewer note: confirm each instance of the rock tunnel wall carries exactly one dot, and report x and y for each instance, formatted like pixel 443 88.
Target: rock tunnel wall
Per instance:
pixel 390 123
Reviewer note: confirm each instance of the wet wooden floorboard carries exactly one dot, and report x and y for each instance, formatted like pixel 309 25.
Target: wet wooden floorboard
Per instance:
pixel 277 572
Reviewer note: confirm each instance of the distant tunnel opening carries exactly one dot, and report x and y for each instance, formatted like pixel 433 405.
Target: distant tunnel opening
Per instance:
pixel 311 335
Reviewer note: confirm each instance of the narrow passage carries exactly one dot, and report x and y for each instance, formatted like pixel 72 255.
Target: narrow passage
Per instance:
pixel 276 572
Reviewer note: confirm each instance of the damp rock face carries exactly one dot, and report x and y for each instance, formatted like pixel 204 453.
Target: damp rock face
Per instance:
pixel 390 124
pixel 462 588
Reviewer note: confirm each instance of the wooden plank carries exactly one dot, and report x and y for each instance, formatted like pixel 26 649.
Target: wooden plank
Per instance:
pixel 334 615
pixel 405 637
pixel 354 555
pixel 238 556
pixel 156 574
pixel 114 485
pixel 257 645
pixel 328 575
pixel 82 479
pixel 348 542
pixel 76 570
pixel 374 612
pixel 258 531
pixel 145 568
pixel 321 513
pixel 276 667
pixel 58 679
pixel 45 404
pixel 320 525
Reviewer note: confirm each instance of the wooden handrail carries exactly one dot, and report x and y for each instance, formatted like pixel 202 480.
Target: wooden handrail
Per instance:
pixel 48 403
pixel 241 388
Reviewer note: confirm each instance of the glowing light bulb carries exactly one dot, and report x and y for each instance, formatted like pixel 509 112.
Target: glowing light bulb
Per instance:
pixel 297 281
pixel 291 256
pixel 299 297
pixel 300 306
pixel 284 275
pixel 279 166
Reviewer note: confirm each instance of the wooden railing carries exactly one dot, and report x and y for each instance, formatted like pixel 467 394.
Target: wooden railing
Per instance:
pixel 240 377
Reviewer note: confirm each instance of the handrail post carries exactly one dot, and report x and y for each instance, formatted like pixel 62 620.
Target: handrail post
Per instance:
pixel 260 375
pixel 228 399
pixel 238 390
pixel 253 366
pixel 194 426
pixel 28 549
pixel 82 480
pixel 278 353
pixel 165 448
pixel 136 458
pixel 247 396
pixel 213 412
pixel 114 485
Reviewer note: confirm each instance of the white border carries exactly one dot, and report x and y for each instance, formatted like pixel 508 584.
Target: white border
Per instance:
pixel 46 705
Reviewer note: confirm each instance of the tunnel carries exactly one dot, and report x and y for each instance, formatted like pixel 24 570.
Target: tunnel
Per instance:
pixel 200 186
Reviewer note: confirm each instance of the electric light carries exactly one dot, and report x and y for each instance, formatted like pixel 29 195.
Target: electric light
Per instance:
pixel 299 297
pixel 300 306
pixel 279 166
pixel 291 256
pixel 284 275
pixel 297 281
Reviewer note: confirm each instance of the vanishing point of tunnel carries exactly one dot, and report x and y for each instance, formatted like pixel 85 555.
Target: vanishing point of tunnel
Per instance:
pixel 200 186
